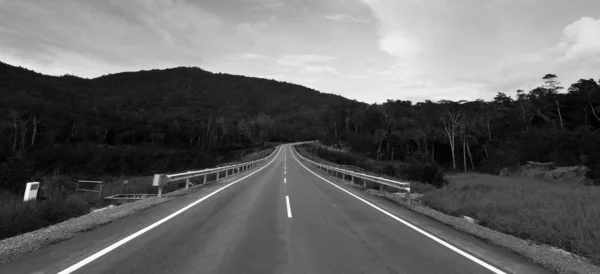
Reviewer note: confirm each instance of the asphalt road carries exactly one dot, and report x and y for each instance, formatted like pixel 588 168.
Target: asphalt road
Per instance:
pixel 282 218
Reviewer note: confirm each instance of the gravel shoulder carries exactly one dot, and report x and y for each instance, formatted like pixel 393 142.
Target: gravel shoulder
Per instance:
pixel 14 247
pixel 549 257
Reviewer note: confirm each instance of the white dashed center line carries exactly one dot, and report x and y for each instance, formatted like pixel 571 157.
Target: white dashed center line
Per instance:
pixel 289 209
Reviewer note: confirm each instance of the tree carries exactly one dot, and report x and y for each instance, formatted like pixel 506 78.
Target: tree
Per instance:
pixel 553 87
pixel 451 120
pixel 522 100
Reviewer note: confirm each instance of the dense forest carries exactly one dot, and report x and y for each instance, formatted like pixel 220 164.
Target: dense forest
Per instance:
pixel 545 124
pixel 139 123
pixel 144 122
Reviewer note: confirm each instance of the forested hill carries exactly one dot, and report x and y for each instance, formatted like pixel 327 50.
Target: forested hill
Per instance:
pixel 160 120
pixel 72 124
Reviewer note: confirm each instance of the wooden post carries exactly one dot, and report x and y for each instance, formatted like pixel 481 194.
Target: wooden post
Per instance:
pixel 125 182
pixel 160 191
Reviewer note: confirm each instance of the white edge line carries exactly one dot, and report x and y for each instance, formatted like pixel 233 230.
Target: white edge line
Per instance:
pixel 427 234
pixel 148 228
pixel 289 209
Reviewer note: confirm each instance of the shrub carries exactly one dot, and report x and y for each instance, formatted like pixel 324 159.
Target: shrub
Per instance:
pixel 421 167
pixel 428 173
pixel 416 187
pixel 14 173
pixel 17 217
pixel 559 214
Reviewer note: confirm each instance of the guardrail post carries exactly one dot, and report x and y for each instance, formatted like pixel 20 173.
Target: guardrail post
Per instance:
pixel 204 180
pixel 187 183
pixel 408 197
pixel 217 175
pixel 226 173
pixel 364 183
pixel 159 180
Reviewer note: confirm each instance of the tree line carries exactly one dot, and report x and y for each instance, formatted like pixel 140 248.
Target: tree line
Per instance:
pixel 139 123
pixel 545 124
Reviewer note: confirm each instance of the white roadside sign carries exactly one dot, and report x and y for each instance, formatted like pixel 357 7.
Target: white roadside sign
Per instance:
pixel 31 191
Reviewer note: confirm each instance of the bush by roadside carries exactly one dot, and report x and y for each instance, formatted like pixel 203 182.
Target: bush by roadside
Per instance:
pixel 563 215
pixel 57 200
pixel 17 217
pixel 416 170
pixel 558 214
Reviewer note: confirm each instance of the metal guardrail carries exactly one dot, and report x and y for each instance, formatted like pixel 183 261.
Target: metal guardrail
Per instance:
pixel 352 175
pixel 162 179
pixel 91 183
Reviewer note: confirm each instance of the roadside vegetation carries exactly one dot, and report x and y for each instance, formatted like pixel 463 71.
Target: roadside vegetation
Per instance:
pixel 561 214
pixel 423 177
pixel 57 200
pixel 134 124
pixel 565 215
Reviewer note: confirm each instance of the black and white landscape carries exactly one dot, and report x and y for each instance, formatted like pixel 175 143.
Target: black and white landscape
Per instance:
pixel 305 136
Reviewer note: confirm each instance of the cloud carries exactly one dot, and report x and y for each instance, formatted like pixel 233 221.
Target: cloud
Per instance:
pixel 267 4
pixel 314 63
pixel 575 56
pixel 321 69
pixel 581 40
pixel 250 56
pixel 303 59
pixel 339 17
pixel 400 44
pixel 498 2
pixel 110 34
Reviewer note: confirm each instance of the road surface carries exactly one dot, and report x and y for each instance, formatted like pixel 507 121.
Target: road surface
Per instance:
pixel 279 218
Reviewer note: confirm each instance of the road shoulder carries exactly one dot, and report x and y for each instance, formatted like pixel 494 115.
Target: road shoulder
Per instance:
pixel 21 245
pixel 513 254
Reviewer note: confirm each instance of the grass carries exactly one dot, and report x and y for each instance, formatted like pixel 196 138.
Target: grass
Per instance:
pixel 17 217
pixel 414 171
pixel 565 215
pixel 57 200
pixel 415 186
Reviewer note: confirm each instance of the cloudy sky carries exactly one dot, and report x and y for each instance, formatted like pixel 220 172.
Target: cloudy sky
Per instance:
pixel 368 50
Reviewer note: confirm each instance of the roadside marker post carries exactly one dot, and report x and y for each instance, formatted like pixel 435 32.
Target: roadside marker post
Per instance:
pixel 160 180
pixel 31 191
